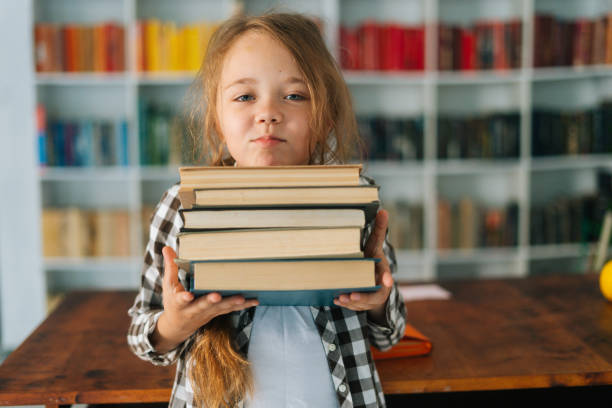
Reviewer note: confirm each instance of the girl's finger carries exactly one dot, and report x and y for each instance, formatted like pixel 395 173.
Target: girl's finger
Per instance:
pixel 170 280
pixel 379 231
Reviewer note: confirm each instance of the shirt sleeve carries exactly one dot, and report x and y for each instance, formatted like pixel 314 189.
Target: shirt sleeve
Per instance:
pixel 384 336
pixel 165 225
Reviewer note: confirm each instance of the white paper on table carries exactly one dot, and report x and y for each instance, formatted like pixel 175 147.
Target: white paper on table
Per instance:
pixel 423 292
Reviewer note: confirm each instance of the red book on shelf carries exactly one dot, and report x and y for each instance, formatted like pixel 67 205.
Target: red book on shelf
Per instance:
pixel 369 42
pixel 415 48
pixel 500 56
pixel 70 47
pixel 43 47
pixel 350 56
pixel 468 50
pixel 115 47
pixel 391 47
pixel 413 343
pixel 583 39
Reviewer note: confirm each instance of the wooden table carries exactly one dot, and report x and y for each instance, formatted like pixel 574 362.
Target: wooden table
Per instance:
pixel 492 335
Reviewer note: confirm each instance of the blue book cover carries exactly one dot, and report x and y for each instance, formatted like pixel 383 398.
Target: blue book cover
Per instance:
pixel 318 297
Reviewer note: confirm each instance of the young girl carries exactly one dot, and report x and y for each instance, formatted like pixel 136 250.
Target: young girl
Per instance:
pixel 274 96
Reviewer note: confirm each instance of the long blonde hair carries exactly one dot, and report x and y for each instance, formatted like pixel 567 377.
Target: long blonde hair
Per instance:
pixel 219 375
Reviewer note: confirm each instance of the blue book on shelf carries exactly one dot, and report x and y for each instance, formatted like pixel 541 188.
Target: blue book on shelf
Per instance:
pixel 121 143
pixel 58 143
pixel 83 145
pixel 42 147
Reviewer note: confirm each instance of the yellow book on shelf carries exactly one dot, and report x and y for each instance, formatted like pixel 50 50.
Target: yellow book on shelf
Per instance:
pixel 152 52
pixel 191 46
pixel 52 228
pixel 174 47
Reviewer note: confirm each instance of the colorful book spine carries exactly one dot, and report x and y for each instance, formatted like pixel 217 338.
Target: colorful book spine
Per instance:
pixel 81 143
pixel 41 134
pixel 79 47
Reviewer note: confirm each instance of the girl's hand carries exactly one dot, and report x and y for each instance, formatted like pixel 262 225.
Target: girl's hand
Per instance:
pixel 184 314
pixel 374 302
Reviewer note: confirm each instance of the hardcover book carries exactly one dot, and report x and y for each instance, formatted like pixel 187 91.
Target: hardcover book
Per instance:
pixel 275 282
pixel 197 197
pixel 266 217
pixel 413 343
pixel 269 243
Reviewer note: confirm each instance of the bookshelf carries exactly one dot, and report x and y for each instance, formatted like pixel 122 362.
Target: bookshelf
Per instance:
pixel 426 95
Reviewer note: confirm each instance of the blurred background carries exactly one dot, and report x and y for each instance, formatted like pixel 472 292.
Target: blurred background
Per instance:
pixel 488 125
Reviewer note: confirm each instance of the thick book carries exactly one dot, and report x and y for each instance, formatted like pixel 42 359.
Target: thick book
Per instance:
pixel 266 217
pixel 269 243
pixel 269 176
pixel 275 196
pixel 303 281
pixel 413 343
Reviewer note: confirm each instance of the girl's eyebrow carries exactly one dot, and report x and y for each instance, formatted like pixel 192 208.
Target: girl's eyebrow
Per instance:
pixel 290 80
pixel 241 81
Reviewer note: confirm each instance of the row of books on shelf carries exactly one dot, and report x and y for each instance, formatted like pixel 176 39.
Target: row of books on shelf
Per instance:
pixel 467 225
pixel 386 138
pixel 563 42
pixel 77 233
pixel 166 46
pixel 572 132
pixel 79 47
pixel 483 137
pixel 382 46
pixel 568 220
pixel 81 142
pixel 573 219
pixel 483 45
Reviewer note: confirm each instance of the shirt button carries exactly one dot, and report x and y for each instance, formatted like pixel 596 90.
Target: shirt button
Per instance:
pixel 342 388
pixel 332 347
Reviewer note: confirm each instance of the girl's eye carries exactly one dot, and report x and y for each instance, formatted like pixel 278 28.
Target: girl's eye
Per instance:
pixel 244 98
pixel 295 97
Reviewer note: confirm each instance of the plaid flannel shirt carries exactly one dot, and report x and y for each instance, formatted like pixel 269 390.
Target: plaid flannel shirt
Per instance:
pixel 346 335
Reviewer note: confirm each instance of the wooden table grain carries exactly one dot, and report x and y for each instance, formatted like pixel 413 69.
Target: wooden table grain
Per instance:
pixel 491 335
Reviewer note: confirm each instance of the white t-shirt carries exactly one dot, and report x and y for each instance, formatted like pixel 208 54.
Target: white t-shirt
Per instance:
pixel 288 360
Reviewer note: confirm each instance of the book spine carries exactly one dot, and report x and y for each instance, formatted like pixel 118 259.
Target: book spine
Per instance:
pixel 41 134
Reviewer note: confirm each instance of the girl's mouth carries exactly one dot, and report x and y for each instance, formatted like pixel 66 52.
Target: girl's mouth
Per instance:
pixel 268 141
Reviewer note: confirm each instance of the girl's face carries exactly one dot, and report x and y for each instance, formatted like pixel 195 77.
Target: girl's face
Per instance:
pixel 263 105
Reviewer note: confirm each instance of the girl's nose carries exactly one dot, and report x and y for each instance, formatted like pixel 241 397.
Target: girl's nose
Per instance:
pixel 269 113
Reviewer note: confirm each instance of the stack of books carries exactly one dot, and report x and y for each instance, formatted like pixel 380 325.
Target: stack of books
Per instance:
pixel 286 235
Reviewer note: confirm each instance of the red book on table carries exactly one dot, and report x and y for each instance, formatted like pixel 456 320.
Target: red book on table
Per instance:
pixel 413 343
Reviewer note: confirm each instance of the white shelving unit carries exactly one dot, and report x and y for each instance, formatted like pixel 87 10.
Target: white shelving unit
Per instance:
pixel 427 94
